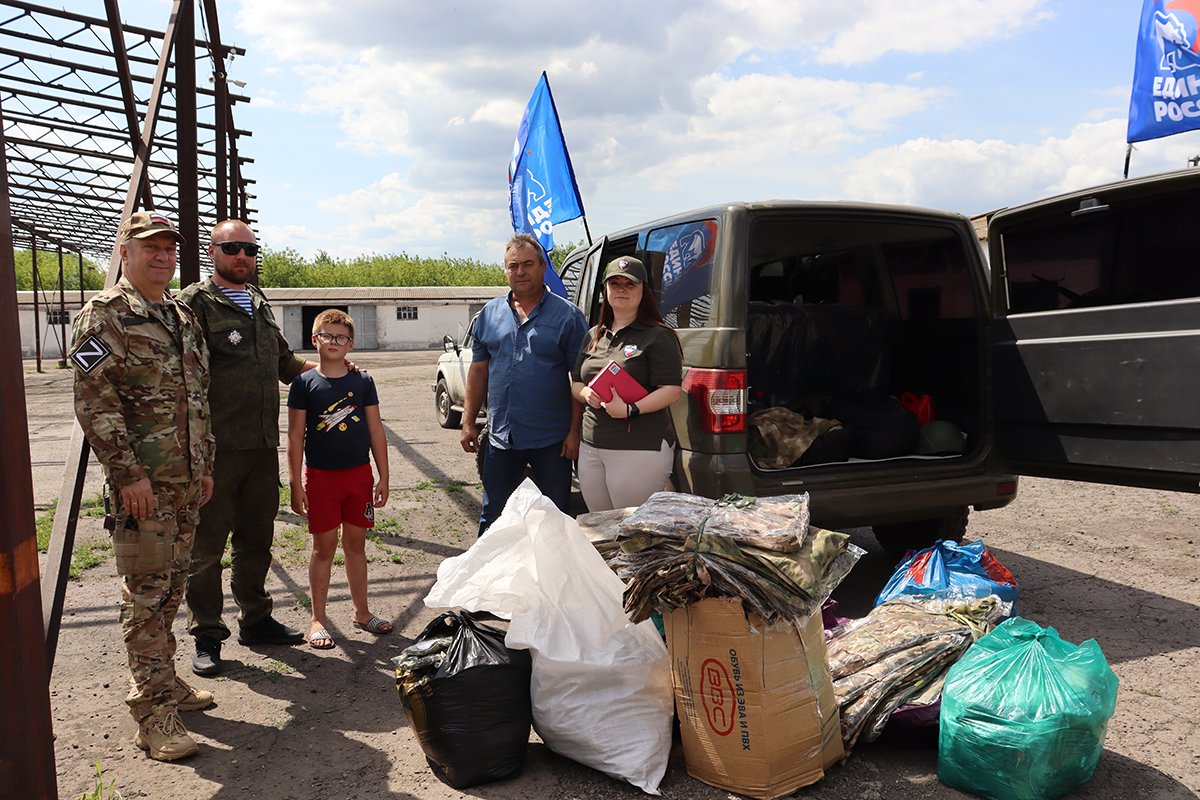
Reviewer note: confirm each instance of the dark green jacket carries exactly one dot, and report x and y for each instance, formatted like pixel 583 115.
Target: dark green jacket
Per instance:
pixel 248 358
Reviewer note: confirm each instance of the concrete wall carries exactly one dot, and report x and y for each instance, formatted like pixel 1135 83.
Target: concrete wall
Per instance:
pixel 386 333
pixel 376 324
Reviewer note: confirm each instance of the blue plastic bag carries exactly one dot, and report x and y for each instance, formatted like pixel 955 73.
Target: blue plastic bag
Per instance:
pixel 1024 714
pixel 949 570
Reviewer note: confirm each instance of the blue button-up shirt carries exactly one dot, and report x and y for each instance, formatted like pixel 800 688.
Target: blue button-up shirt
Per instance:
pixel 529 364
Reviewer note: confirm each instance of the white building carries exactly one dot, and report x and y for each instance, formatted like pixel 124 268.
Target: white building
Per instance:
pixel 385 318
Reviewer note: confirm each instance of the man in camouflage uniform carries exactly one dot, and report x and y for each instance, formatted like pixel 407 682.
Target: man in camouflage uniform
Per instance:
pixel 249 358
pixel 141 385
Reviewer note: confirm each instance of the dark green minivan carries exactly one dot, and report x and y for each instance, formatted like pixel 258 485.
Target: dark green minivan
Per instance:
pixel 1073 355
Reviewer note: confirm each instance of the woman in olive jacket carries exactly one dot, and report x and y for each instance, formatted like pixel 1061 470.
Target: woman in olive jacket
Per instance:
pixel 628 447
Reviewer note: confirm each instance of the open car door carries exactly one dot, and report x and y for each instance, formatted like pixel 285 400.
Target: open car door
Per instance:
pixel 1096 334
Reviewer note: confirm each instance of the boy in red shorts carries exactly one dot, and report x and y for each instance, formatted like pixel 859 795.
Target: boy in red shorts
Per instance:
pixel 333 423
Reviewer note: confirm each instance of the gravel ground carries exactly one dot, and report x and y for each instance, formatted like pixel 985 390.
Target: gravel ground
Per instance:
pixel 1120 565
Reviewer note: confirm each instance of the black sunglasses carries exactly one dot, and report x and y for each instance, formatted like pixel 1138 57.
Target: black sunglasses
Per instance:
pixel 231 248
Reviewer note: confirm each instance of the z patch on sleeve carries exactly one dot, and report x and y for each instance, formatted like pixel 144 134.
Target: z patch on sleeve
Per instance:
pixel 89 354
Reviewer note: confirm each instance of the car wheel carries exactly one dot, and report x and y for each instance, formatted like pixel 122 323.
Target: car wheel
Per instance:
pixel 898 538
pixel 446 416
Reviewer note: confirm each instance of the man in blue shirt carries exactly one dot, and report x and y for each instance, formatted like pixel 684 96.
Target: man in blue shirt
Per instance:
pixel 525 344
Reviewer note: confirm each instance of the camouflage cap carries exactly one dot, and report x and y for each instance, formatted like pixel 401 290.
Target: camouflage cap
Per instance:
pixel 628 266
pixel 146 223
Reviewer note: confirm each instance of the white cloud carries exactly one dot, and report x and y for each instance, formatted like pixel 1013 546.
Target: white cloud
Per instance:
pixel 665 106
pixel 922 26
pixel 975 176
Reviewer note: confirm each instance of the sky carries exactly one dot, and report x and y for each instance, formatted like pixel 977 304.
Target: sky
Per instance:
pixel 386 126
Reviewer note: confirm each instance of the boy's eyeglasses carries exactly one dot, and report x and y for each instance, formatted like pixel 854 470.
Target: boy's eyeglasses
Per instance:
pixel 231 248
pixel 333 338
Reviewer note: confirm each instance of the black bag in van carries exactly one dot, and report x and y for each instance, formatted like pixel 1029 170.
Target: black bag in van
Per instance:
pixel 466 696
pixel 879 426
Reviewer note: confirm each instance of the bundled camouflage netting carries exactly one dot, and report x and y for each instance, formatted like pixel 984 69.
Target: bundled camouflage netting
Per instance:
pixel 898 655
pixel 676 549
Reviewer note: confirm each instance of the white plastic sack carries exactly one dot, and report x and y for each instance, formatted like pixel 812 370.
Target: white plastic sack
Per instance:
pixel 601 686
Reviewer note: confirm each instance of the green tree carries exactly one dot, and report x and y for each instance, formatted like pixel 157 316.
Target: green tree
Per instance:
pixel 560 252
pixel 47 262
pixel 287 268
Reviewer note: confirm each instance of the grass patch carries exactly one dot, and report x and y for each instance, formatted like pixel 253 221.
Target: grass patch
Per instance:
pixel 43 524
pixel 388 526
pixel 283 720
pixel 89 554
pixel 250 674
pixel 277 667
pixel 84 555
pixel 293 544
pixel 102 792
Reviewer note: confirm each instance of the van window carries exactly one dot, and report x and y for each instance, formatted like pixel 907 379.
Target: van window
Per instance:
pixel 931 279
pixel 917 272
pixel 1123 252
pixel 680 259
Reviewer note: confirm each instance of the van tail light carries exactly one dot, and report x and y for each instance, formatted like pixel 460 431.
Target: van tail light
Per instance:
pixel 719 398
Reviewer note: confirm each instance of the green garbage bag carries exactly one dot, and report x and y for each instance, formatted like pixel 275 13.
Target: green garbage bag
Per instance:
pixel 1024 714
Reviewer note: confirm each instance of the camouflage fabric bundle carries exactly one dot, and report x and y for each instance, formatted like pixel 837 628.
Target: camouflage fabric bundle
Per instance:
pixel 780 436
pixel 899 653
pixel 677 549
pixel 602 529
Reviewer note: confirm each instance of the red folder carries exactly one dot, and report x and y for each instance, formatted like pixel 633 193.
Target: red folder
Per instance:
pixel 612 376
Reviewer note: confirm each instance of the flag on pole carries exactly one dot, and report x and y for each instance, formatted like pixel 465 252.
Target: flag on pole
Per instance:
pixel 1166 75
pixel 541 182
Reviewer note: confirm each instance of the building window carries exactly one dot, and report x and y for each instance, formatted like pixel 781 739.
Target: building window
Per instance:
pixel 406 312
pixel 58 317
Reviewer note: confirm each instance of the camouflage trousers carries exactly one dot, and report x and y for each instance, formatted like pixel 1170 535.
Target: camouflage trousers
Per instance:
pixel 152 586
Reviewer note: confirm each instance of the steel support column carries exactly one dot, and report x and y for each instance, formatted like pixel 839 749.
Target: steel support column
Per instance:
pixel 27 757
pixel 185 133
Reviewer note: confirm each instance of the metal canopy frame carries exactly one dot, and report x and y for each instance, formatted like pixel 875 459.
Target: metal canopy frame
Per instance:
pixel 75 89
pixel 97 120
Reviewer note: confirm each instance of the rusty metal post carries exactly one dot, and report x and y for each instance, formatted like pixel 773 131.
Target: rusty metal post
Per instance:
pixel 80 279
pixel 121 58
pixel 27 757
pixel 222 111
pixel 37 312
pixel 62 311
pixel 185 137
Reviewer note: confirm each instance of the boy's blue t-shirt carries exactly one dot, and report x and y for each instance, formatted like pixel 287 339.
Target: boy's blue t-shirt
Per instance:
pixel 336 435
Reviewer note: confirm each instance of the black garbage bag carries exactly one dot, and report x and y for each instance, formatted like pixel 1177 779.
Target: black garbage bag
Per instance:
pixel 466 696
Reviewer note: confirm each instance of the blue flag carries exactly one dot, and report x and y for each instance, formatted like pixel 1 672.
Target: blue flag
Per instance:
pixel 1166 75
pixel 541 183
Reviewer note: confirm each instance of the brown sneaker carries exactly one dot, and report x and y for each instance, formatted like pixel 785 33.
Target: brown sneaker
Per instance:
pixel 164 736
pixel 189 698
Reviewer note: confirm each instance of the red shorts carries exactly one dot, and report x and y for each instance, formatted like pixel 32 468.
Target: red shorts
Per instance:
pixel 339 495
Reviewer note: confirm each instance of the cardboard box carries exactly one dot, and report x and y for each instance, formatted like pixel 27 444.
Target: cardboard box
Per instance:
pixel 755 702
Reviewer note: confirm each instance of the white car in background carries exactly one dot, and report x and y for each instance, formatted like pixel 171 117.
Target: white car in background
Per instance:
pixel 450 385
